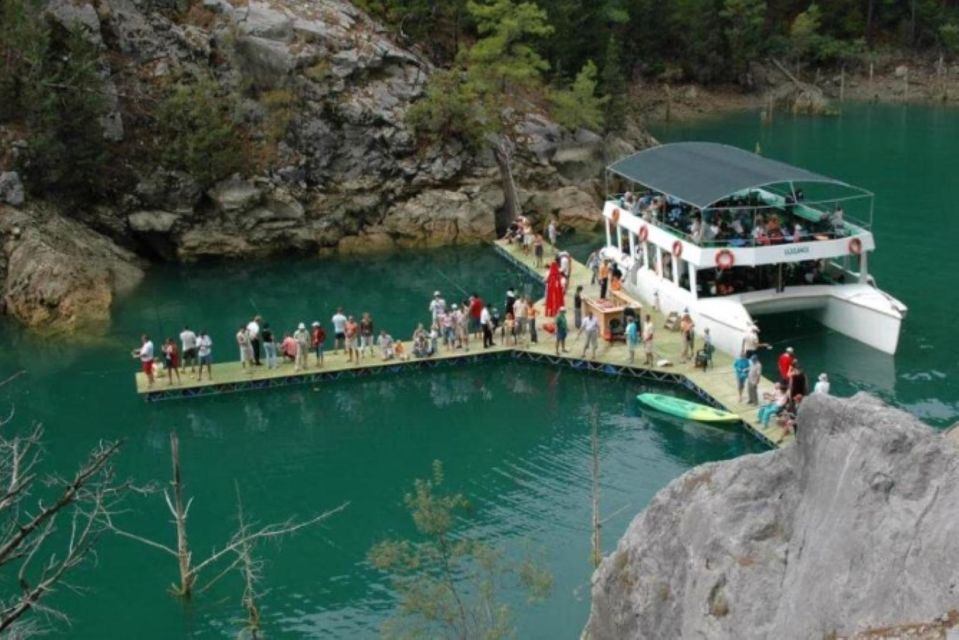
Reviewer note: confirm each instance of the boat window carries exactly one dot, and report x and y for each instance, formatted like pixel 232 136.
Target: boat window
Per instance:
pixel 723 282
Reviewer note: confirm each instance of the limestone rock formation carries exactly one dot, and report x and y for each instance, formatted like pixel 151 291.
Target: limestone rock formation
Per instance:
pixel 60 275
pixel 852 529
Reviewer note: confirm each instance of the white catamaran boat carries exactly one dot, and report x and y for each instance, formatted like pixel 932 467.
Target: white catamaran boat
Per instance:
pixel 729 234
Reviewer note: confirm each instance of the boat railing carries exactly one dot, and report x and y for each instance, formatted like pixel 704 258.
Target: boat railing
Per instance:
pixel 850 227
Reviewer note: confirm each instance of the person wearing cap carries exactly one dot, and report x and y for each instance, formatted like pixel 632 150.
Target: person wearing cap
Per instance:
pixel 437 306
pixel 822 386
pixel 751 343
pixel 591 326
pixel 301 337
pixel 784 363
pixel 317 339
pixel 562 330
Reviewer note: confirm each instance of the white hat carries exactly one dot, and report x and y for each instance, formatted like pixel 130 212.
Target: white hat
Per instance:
pixel 315 323
pixel 789 350
pixel 454 307
pixel 823 377
pixel 302 326
pixel 436 294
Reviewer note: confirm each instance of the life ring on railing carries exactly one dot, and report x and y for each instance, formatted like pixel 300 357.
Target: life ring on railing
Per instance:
pixel 677 248
pixel 725 259
pixel 615 215
pixel 855 246
pixel 643 233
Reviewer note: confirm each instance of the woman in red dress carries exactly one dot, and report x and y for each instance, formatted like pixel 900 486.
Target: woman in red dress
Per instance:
pixel 554 290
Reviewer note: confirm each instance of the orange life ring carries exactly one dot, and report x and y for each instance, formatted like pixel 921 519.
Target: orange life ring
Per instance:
pixel 615 216
pixel 677 248
pixel 855 246
pixel 725 259
pixel 643 233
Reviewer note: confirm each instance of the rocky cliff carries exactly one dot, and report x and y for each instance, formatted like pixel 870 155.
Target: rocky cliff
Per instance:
pixel 849 533
pixel 345 172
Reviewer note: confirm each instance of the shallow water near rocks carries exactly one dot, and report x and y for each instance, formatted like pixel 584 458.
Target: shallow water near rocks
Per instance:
pixel 514 437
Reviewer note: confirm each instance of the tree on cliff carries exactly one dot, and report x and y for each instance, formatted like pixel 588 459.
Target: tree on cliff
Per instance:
pixel 448 581
pixel 579 106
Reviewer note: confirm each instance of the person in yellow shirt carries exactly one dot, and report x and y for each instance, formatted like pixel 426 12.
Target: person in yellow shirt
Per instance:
pixel 603 278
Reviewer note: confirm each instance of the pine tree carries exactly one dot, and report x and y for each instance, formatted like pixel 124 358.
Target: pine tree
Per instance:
pixel 614 85
pixel 579 106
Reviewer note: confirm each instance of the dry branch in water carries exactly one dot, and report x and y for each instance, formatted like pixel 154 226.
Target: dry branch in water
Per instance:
pixel 33 508
pixel 244 538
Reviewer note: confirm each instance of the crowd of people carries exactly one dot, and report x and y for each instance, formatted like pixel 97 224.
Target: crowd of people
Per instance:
pixel 450 327
pixel 741 220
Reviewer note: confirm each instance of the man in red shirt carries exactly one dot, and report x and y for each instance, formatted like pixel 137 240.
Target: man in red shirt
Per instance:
pixel 476 308
pixel 785 361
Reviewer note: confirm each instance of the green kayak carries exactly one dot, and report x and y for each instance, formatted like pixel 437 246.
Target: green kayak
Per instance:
pixel 685 409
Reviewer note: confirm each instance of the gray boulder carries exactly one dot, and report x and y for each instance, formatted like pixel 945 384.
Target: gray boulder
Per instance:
pixel 262 21
pixel 11 189
pixel 235 195
pixel 152 221
pixel 850 529
pixel 73 15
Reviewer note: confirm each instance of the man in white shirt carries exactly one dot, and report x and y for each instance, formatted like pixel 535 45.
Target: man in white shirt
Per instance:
pixel 145 354
pixel 437 306
pixel 339 330
pixel 591 327
pixel 204 348
pixel 253 332
pixel 486 322
pixel 822 386
pixel 188 348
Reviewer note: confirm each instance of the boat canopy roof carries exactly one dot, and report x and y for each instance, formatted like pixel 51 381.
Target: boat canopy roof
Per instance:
pixel 703 173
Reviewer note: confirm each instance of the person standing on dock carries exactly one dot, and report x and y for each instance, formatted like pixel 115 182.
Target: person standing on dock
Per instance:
pixel 578 307
pixel 603 279
pixel 531 312
pixel 510 302
pixel 552 232
pixel 269 345
pixel 246 349
pixel 753 378
pixel 648 334
pixel 785 363
pixel 741 369
pixel 366 333
pixel 522 318
pixel 318 340
pixel 171 360
pixel 562 330
pixel 437 306
pixel 592 263
pixel 302 339
pixel 204 352
pixel 339 330
pixel 188 348
pixel 145 354
pixel 486 322
pixel 538 250
pixel 476 307
pixel 253 331
pixel 751 343
pixel 632 338
pixel 351 332
pixel 554 290
pixel 822 386
pixel 686 326
pixel 590 325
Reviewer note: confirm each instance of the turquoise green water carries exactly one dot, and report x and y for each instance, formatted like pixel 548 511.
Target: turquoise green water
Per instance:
pixel 909 157
pixel 513 436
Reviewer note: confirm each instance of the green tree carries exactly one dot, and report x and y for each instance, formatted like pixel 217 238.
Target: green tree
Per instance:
pixel 447 580
pixel 23 44
pixel 804 38
pixel 197 133
pixel 448 110
pixel 63 104
pixel 744 21
pixel 614 85
pixel 949 37
pixel 438 26
pixel 579 106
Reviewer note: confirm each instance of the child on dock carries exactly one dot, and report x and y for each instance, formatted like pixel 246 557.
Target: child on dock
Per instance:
pixel 246 349
pixel 317 340
pixel 171 361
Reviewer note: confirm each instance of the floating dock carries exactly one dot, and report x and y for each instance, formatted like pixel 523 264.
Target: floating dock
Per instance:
pixel 716 386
